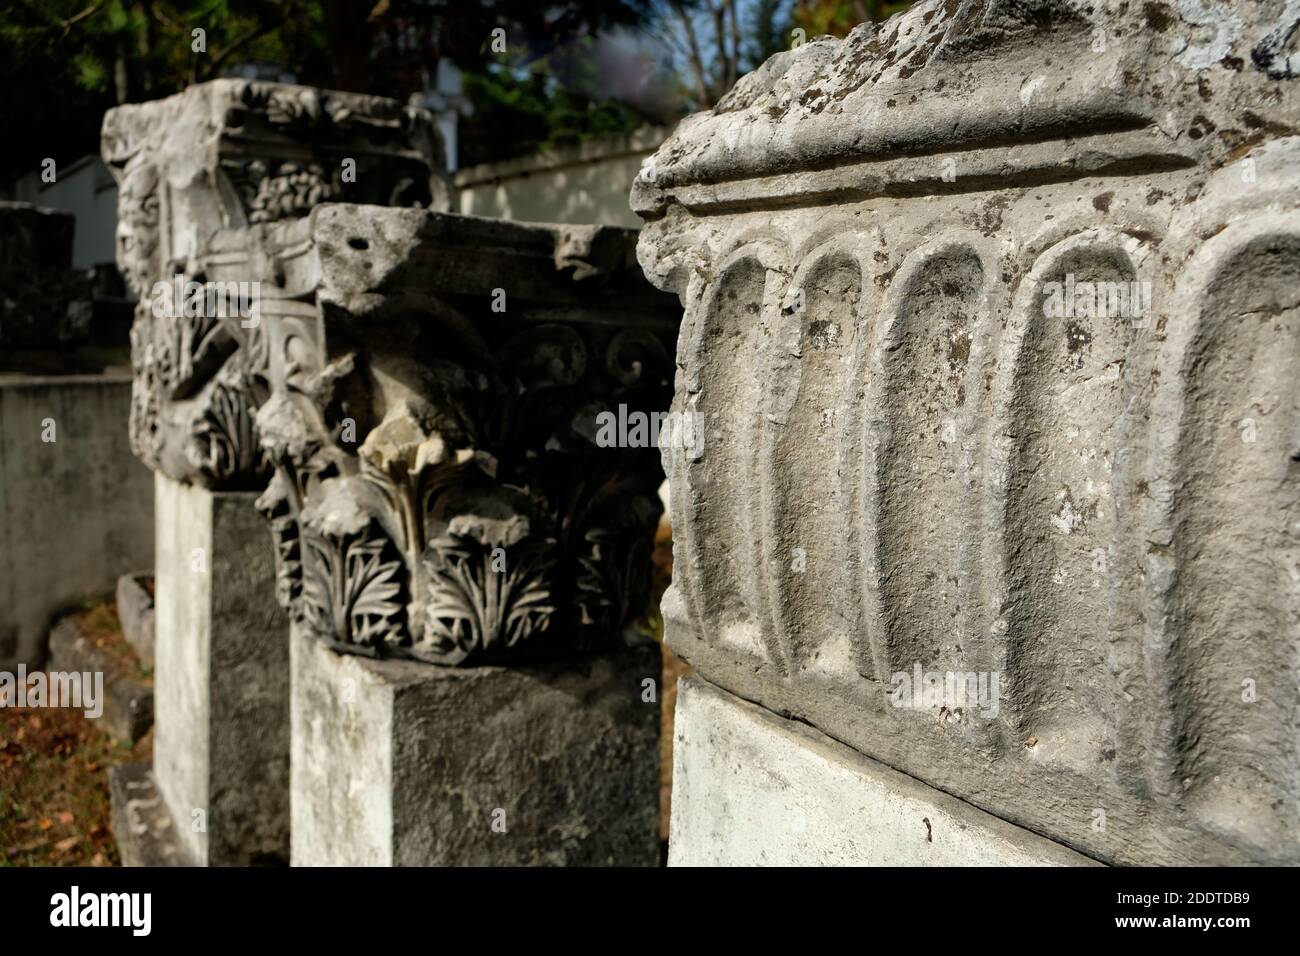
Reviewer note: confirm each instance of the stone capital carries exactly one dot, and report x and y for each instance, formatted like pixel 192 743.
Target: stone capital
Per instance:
pixel 221 156
pixel 991 314
pixel 442 488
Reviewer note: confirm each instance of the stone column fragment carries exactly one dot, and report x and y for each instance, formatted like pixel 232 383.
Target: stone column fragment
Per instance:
pixel 463 537
pixel 230 154
pixel 991 313
pixel 447 488
pixel 201 176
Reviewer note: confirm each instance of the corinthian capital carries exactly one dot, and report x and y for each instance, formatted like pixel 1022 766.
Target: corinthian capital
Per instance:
pixel 441 492
pixel 226 156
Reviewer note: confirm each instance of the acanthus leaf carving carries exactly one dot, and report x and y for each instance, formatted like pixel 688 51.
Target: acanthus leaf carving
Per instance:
pixel 487 595
pixel 352 584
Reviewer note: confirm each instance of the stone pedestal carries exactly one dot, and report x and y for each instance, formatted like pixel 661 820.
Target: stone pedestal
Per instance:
pixel 202 177
pixel 991 316
pixel 754 789
pixel 221 744
pixel 460 541
pixel 405 763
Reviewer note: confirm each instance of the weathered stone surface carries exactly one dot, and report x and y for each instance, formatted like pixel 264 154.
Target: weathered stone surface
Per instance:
pixel 231 154
pixel 128 697
pixel 136 612
pixel 143 828
pixel 441 492
pixel 76 508
pixel 915 456
pixel 754 789
pixel 405 763
pixel 221 745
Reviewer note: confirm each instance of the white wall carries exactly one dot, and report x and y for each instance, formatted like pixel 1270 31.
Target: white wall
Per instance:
pixel 588 183
pixel 86 189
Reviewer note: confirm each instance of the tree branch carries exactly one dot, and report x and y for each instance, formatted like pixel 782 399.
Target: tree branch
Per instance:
pixel 90 11
pixel 693 47
pixel 735 42
pixel 240 43
pixel 256 33
pixel 726 77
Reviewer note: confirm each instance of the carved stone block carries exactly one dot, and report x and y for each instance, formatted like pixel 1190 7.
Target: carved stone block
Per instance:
pixel 397 763
pixel 227 155
pixel 992 314
pixel 441 491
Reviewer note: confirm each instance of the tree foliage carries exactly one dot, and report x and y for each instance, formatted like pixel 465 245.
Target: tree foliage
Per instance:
pixel 838 17
pixel 557 80
pixel 66 61
pixel 718 41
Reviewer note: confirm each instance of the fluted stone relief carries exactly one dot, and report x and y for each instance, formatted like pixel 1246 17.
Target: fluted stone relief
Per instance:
pixel 225 155
pixel 440 489
pixel 991 312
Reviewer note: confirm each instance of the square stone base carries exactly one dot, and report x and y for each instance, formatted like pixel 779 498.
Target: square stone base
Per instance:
pixel 751 788
pixel 403 763
pixel 221 678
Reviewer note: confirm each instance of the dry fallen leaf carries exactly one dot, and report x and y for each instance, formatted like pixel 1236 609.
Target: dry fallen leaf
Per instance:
pixel 46 823
pixel 98 860
pixel 63 846
pixel 64 817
